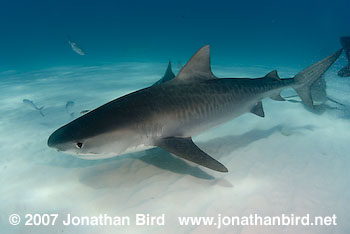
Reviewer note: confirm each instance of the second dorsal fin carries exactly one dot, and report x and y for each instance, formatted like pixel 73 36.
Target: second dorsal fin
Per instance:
pixel 272 75
pixel 198 67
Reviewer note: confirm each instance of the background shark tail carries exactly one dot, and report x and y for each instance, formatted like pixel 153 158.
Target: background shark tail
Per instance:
pixel 345 42
pixel 306 78
pixel 345 71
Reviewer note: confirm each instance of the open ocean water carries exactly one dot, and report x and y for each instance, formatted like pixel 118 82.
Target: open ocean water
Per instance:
pixel 294 161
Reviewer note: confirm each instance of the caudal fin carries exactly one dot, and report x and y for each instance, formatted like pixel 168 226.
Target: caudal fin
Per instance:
pixel 305 79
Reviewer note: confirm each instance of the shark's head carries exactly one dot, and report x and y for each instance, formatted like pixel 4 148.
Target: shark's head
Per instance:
pixel 91 139
pixel 68 140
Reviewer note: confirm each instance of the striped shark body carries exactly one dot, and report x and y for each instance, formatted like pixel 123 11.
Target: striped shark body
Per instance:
pixel 168 114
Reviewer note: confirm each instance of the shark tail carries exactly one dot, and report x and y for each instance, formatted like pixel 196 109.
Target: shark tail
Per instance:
pixel 306 78
pixel 345 71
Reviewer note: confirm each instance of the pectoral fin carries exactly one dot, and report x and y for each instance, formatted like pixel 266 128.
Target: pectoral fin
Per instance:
pixel 186 149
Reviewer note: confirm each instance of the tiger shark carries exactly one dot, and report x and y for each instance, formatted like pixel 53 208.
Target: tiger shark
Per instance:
pixel 168 114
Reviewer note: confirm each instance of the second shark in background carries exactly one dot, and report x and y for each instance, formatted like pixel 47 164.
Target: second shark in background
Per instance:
pixel 345 71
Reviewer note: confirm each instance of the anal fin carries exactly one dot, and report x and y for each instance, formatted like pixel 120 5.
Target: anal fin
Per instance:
pixel 277 97
pixel 186 149
pixel 258 109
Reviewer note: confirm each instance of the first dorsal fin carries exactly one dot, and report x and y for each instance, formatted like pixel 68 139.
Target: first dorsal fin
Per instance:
pixel 198 67
pixel 272 75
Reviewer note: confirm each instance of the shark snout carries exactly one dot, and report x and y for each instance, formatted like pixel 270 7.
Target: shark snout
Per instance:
pixel 57 140
pixel 52 141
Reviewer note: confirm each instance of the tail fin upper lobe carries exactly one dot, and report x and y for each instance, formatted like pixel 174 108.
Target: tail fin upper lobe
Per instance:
pixel 305 78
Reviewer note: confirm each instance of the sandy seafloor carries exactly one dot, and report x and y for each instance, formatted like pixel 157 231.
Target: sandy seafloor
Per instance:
pixel 292 161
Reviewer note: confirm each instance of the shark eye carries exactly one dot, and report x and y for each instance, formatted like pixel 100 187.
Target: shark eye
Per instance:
pixel 79 145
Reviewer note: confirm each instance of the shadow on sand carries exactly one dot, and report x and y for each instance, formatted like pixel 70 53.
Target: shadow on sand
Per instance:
pixel 219 147
pixel 222 146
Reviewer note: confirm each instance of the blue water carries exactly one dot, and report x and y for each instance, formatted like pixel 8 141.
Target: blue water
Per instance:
pixel 34 33
pixel 293 161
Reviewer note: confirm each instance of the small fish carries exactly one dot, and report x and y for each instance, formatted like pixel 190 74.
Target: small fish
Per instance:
pixel 84 112
pixel 33 106
pixel 75 48
pixel 69 107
